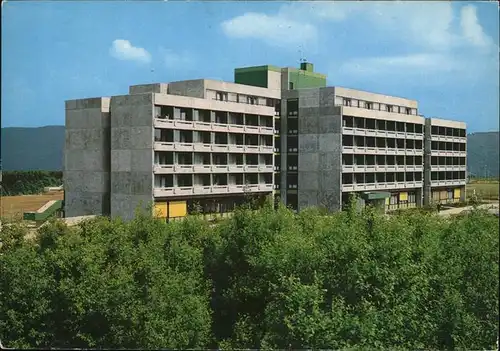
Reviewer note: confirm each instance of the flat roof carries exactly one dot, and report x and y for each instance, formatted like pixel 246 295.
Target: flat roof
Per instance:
pixel 258 68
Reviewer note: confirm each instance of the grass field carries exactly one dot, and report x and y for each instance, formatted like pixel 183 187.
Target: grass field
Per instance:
pixel 485 190
pixel 12 207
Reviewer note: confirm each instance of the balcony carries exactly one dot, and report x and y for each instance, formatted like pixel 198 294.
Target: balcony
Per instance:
pixel 381 186
pixel 381 168
pixel 199 147
pixel 211 127
pixel 171 169
pixel 212 190
pixel 443 168
pixel 449 153
pixel 381 133
pixel 380 151
pixel 449 182
pixel 448 138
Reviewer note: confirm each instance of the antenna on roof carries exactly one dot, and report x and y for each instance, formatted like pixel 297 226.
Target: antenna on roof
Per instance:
pixel 301 59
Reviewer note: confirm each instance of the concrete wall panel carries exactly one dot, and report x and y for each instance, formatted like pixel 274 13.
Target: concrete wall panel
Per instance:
pixel 308 180
pixel 121 160
pixel 307 198
pixel 329 142
pixel 121 183
pixel 330 161
pixel 132 153
pixel 120 138
pixel 141 160
pixel 308 125
pixel 86 157
pixel 308 143
pixel 327 99
pixel 308 161
pixel 193 88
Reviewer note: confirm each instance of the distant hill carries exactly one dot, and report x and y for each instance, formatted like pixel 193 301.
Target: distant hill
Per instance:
pixel 24 149
pixel 482 154
pixel 42 149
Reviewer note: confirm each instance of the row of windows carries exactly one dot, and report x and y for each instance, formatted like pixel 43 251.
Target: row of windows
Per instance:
pixel 448 194
pixel 447 146
pixel 447 161
pixel 381 177
pixel 244 98
pixel 381 125
pixel 361 160
pixel 370 105
pixel 205 158
pixel 381 142
pixel 189 180
pixel 448 131
pixel 220 138
pixel 208 116
pixel 447 175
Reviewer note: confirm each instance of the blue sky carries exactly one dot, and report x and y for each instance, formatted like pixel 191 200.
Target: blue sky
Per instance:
pixel 444 54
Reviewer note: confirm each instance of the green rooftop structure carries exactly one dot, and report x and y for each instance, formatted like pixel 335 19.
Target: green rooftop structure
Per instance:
pixel 287 78
pixel 258 76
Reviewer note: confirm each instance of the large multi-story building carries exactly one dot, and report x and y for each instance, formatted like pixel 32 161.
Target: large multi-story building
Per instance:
pixel 445 161
pixel 339 141
pixel 207 144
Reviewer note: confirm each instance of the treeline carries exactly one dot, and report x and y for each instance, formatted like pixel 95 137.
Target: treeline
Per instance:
pixel 265 278
pixel 29 182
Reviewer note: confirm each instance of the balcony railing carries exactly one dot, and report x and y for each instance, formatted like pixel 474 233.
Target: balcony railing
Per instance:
pixel 449 138
pixel 200 147
pixel 370 150
pixel 451 153
pixel 382 133
pixel 212 126
pixel 381 168
pixel 448 182
pixel 456 168
pixel 213 189
pixel 172 169
pixel 381 186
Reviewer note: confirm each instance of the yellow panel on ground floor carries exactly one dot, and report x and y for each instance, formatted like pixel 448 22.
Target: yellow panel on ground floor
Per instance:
pixel 403 196
pixel 177 209
pixel 160 209
pixel 456 193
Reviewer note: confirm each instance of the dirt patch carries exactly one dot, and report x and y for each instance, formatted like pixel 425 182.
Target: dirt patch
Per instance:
pixel 13 207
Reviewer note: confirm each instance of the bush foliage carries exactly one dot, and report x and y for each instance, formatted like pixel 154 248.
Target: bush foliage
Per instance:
pixel 29 182
pixel 265 278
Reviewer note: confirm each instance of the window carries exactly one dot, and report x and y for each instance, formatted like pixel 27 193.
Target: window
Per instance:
pixel 390 108
pixel 369 105
pixel 290 85
pixel 347 102
pixel 251 100
pixel 221 96
pixel 408 111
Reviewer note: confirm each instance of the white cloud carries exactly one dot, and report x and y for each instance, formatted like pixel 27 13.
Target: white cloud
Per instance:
pixel 406 64
pixel 472 30
pixel 123 50
pixel 273 29
pixel 427 25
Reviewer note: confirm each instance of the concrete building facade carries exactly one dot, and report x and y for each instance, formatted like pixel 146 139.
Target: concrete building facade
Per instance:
pixel 206 144
pixel 178 145
pixel 340 141
pixel 445 161
pixel 87 158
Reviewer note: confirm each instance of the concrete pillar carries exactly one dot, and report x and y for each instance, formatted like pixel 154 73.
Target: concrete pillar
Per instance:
pixel 463 194
pixel 427 195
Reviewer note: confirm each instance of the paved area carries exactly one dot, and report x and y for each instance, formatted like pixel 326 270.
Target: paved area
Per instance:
pixel 491 207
